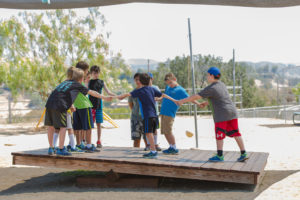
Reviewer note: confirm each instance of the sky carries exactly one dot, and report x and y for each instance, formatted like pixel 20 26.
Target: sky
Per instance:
pixel 160 31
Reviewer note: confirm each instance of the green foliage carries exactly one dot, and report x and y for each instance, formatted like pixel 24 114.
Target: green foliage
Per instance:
pixel 296 91
pixel 180 66
pixel 36 50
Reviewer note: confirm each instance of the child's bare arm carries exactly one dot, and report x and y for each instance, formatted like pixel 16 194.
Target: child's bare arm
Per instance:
pixel 123 96
pixel 99 96
pixel 170 98
pixel 108 91
pixel 72 108
pixel 189 99
pixel 203 104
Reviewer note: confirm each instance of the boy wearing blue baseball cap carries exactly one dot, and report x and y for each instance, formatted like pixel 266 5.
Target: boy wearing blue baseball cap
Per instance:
pixel 224 113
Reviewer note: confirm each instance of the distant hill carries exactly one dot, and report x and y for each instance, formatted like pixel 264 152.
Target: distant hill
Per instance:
pixel 142 64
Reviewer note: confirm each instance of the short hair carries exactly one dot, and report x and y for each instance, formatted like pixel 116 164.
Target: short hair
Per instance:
pixel 78 74
pixel 95 68
pixel 82 65
pixel 70 73
pixel 170 76
pixel 136 75
pixel 144 78
pixel 217 77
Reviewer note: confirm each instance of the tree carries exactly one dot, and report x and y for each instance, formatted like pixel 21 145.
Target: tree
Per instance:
pixel 36 49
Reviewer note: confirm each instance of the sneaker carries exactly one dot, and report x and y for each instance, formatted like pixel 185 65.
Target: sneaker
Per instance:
pixel 216 158
pixel 242 158
pixel 171 151
pixel 157 148
pixel 75 150
pixel 99 145
pixel 69 147
pixel 81 146
pixel 51 151
pixel 93 149
pixel 150 155
pixel 147 148
pixel 63 152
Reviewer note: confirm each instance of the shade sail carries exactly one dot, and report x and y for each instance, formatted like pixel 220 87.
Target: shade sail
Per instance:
pixel 57 4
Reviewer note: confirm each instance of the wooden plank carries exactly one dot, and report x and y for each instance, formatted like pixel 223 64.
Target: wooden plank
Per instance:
pixel 260 163
pixel 250 163
pixel 238 165
pixel 230 160
pixel 214 165
pixel 199 160
pixel 175 172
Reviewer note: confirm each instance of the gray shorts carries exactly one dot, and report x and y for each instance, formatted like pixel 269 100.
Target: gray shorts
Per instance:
pixel 137 129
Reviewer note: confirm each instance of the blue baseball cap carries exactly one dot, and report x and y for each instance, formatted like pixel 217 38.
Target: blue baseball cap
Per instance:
pixel 214 71
pixel 150 74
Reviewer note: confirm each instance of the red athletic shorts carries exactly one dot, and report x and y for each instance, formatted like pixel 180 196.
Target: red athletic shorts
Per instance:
pixel 227 128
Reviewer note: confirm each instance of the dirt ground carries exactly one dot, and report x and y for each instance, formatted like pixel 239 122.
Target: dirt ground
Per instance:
pixel 281 181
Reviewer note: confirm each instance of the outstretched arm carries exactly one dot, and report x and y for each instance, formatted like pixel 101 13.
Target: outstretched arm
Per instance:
pixel 99 96
pixel 170 98
pixel 108 91
pixel 189 99
pixel 123 96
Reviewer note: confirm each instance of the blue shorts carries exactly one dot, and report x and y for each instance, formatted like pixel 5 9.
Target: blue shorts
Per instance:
pixel 98 115
pixel 83 119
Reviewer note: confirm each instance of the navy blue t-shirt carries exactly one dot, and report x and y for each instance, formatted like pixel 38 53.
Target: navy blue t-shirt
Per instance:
pixel 146 96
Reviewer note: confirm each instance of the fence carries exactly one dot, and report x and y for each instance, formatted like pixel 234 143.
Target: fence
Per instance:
pixel 22 111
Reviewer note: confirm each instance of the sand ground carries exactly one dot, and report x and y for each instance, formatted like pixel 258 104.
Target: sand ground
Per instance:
pixel 282 179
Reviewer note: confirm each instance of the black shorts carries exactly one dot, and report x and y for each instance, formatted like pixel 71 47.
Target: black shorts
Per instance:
pixel 150 124
pixel 83 119
pixel 56 118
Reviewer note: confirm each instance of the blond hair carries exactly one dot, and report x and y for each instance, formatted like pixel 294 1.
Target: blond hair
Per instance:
pixel 70 73
pixel 170 76
pixel 78 74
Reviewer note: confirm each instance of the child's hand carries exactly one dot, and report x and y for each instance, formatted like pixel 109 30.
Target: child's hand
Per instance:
pixel 179 103
pixel 120 97
pixel 73 109
pixel 202 105
pixel 108 98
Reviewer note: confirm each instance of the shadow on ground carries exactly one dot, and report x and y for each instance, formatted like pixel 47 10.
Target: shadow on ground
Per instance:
pixel 60 181
pixel 278 125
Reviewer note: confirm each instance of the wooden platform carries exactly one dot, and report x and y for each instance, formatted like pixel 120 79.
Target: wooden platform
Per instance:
pixel 189 164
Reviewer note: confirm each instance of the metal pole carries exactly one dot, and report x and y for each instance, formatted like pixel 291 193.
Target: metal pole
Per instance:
pixel 148 65
pixel 233 75
pixel 193 80
pixel 9 109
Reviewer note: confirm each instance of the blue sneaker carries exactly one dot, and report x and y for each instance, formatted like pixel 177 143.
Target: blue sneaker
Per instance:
pixel 216 158
pixel 51 151
pixel 63 152
pixel 171 151
pixel 92 149
pixel 150 155
pixel 242 158
pixel 75 150
pixel 81 146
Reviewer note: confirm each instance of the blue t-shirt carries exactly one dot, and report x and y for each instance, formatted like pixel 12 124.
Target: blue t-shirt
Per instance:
pixel 168 107
pixel 146 96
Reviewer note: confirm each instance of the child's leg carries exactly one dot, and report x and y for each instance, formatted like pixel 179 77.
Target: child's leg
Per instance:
pixel 88 137
pixel 220 144
pixel 78 138
pixel 136 143
pixel 240 143
pixel 62 135
pixel 150 138
pixel 99 130
pixel 170 138
pixel 55 137
pixel 50 135
pixel 71 138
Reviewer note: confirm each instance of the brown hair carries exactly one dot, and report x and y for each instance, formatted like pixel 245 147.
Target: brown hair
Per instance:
pixel 82 65
pixel 70 73
pixel 77 74
pixel 95 68
pixel 170 76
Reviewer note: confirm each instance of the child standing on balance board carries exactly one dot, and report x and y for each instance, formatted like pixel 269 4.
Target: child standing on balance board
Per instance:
pixel 224 113
pixel 146 96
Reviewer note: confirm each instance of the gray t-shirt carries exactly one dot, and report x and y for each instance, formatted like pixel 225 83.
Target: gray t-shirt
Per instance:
pixel 135 112
pixel 222 107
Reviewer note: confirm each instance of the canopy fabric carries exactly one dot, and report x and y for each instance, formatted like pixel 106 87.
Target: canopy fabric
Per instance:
pixel 62 4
